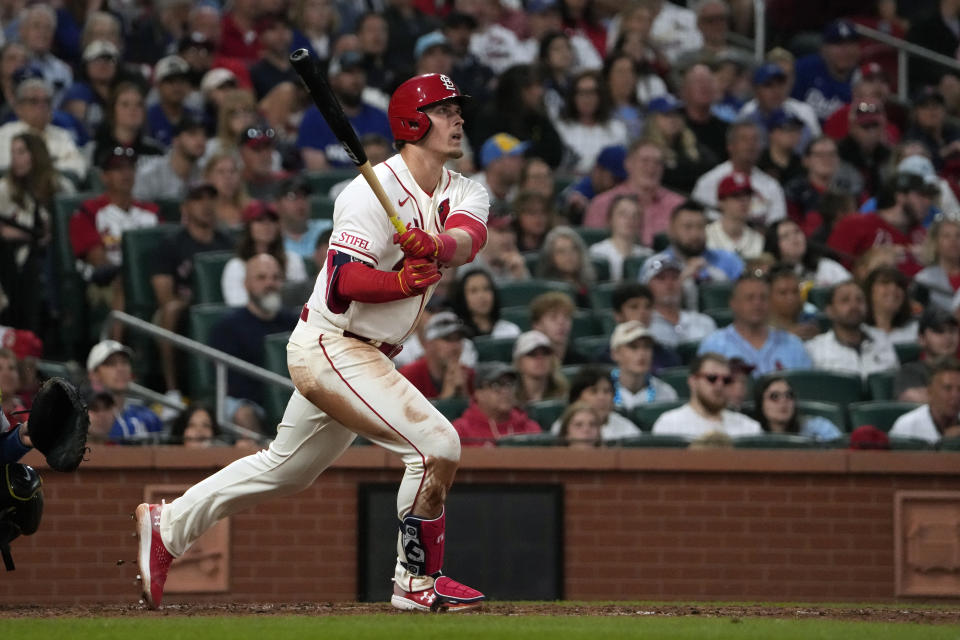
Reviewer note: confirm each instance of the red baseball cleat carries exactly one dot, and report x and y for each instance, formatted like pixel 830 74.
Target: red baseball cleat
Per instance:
pixel 153 559
pixel 445 595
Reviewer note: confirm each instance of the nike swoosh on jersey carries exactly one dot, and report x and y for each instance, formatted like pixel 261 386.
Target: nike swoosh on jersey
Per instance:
pixel 403 202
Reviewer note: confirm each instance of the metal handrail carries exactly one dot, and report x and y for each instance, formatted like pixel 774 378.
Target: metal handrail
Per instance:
pixel 221 361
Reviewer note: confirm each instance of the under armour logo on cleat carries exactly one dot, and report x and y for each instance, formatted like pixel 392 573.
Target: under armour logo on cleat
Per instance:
pixel 428 597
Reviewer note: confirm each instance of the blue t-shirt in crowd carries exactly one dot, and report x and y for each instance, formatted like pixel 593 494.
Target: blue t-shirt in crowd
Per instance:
pixel 135 422
pixel 726 262
pixel 159 126
pixel 305 246
pixel 781 351
pixel 817 87
pixel 315 134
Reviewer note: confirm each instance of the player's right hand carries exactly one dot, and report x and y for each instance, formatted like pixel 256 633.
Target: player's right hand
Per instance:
pixel 416 275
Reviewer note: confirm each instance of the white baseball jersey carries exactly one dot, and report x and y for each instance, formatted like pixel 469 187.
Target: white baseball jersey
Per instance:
pixel 361 230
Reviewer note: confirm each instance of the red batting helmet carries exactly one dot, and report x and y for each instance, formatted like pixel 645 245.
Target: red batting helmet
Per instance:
pixel 407 120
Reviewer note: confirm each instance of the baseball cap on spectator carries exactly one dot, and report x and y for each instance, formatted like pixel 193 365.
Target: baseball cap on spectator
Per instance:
pixel 115 157
pixel 428 41
pixel 915 177
pixel 295 183
pixel 937 320
pixel 499 217
pixel 101 49
pixel 217 79
pixel 627 332
pixel 739 365
pixel 868 436
pixel 735 184
pixel 257 137
pixel 612 158
pixel 443 325
pixel 917 165
pixel 541 6
pixel 27 72
pixel 840 31
pixel 22 342
pixel 869 71
pixel 665 104
pixel 188 122
pixel 194 40
pixel 258 210
pixel 529 341
pixel 500 145
pixel 928 95
pixel 865 113
pixel 200 189
pixel 345 62
pixel 655 266
pixel 171 68
pixel 767 73
pixel 782 119
pixel 103 350
pixel 487 372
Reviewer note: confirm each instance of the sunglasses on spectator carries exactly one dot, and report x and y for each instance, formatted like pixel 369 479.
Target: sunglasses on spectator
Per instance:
pixel 777 396
pixel 867 107
pixel 501 384
pixel 712 378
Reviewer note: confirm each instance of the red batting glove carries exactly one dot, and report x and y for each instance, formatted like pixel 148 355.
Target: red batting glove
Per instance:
pixel 417 243
pixel 417 275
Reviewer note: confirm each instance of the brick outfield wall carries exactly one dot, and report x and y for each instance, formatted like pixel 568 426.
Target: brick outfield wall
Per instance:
pixel 639 524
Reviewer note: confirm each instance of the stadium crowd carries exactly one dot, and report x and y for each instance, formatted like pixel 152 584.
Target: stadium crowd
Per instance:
pixel 685 244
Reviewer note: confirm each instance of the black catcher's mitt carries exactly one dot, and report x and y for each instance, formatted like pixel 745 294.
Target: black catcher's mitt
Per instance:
pixel 58 424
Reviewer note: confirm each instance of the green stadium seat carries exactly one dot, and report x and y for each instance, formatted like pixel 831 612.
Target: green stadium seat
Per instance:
pixel 592 235
pixel 139 247
pixel 824 386
pixel 494 349
pixel 321 207
pixel 661 241
pixel 601 295
pixel 522 292
pixel 721 315
pixel 950 444
pixel 676 377
pixel 562 181
pixel 880 385
pixel 687 351
pixel 653 441
pixel 880 414
pixel 275 360
pixel 774 441
pixel 530 440
pixel 570 371
pixel 908 351
pixel 910 444
pixel 819 297
pixel 451 408
pixel 829 410
pixel 519 316
pixel 200 373
pixel 606 320
pixel 71 287
pixel 602 268
pixel 169 209
pixel 584 324
pixel 632 266
pixel 207 273
pixel 546 412
pixel 322 181
pixel 715 295
pixel 592 346
pixel 646 415
pixel 531 259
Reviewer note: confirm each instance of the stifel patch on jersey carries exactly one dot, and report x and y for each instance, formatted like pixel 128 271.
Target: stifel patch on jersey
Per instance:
pixel 354 241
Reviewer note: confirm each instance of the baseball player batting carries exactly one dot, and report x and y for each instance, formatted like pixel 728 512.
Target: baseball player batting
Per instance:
pixel 366 301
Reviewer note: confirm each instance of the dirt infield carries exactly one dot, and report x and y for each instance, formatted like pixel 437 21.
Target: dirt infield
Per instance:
pixel 866 613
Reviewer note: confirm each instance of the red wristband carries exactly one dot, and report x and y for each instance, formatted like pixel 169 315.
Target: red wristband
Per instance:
pixel 446 247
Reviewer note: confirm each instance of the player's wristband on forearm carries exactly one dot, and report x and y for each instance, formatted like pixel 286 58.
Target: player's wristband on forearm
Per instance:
pixel 446 247
pixel 474 229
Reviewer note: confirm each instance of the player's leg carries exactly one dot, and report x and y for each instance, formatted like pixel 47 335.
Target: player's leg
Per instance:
pixel 359 387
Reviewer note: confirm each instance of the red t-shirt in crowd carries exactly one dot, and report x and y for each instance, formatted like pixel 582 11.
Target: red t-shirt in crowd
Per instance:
pixel 855 234
pixel 477 429
pixel 237 43
pixel 418 373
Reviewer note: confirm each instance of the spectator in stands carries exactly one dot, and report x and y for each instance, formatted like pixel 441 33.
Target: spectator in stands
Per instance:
pixel 33 109
pixel 537 175
pixel 869 84
pixel 151 34
pixel 197 50
pixel 738 390
pixel 13 59
pixel 501 158
pixel 534 217
pixel 580 426
pixel 38 24
pixel 787 310
pixel 930 126
pixel 195 427
pixel 109 369
pixel 896 223
pixel 167 176
pixel 941 280
pixel 432 54
pixel 172 275
pixel 240 36
pixel 824 172
pixel 27 194
pixel 538 370
pixel 318 145
pixel 634 301
pixel 939 336
pixel 620 75
pixel 216 86
pixel 684 158
pixel 780 158
pixel 123 123
pixel 469 73
pixel 102 412
pixel 916 161
pixel 493 411
pixel 750 336
pixel 889 311
pixel 713 22
pixel 669 323
pixel 606 174
pixel 10 402
pixel 320 250
pixel 171 79
pixel 236 114
pixel 706 411
pixel 592 386
pixel 849 347
pixel 438 372
pixel 623 218
pixel 97 228
pixel 261 235
pixel 772 91
pixel 551 314
pixel 273 66
pixel 674 30
pixel 315 25
pixel 631 347
pixel 257 147
pixel 731 233
pixel 564 258
pixel 699 93
pixel 940 417
pixel 556 64
pixel 476 302
pixel 650 63
pixel 500 255
pixel 776 411
pixel 222 170
pixel 543 18
pixel 743 147
pixel 241 334
pixel 300 233
pixel 823 79
pixel 585 124
pixel 938 33
pixel 644 165
pixel 787 244
pixel 86 98
pixel 405 23
pixel 865 148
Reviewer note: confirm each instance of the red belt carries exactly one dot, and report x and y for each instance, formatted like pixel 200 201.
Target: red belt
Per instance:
pixel 385 348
